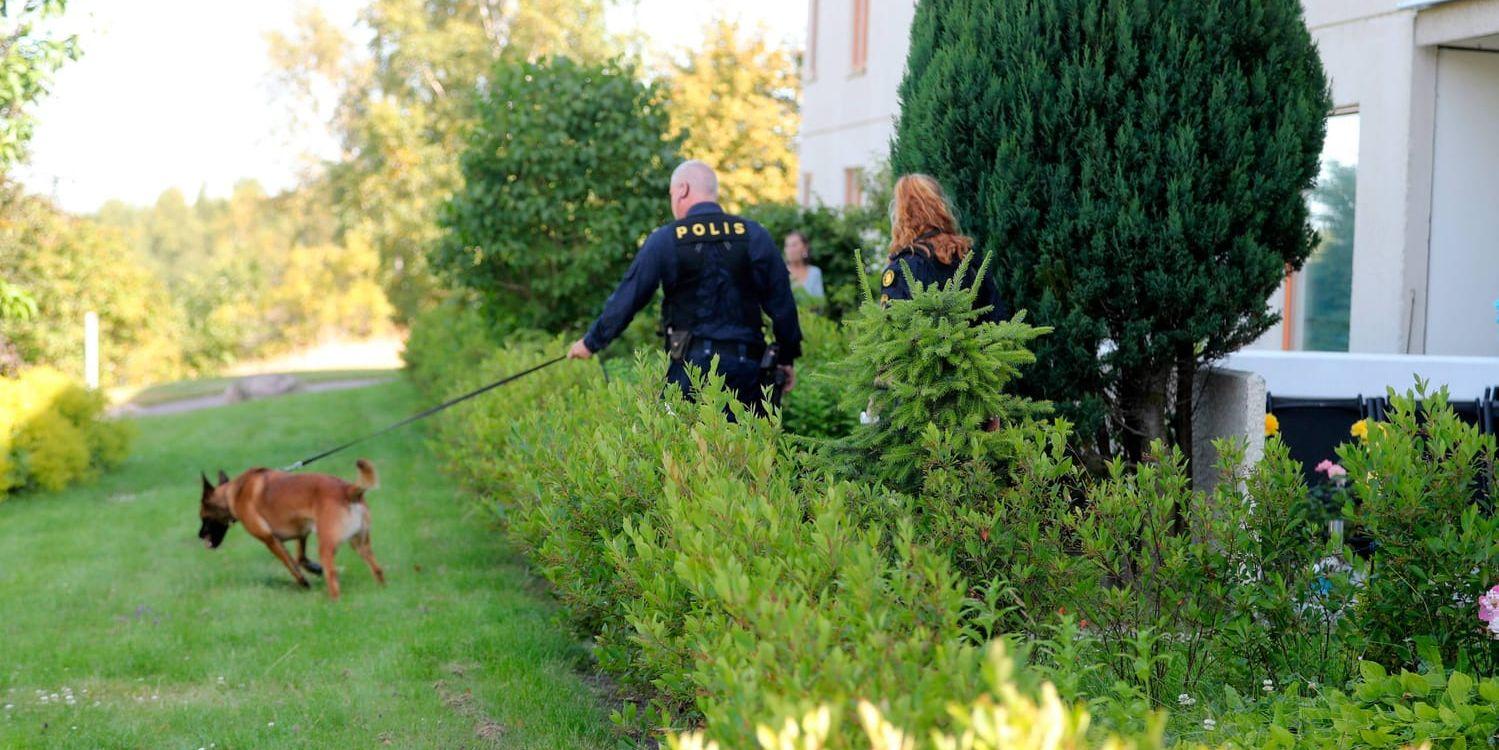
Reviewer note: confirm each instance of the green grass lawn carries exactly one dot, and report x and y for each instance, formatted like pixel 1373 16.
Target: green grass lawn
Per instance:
pixel 108 598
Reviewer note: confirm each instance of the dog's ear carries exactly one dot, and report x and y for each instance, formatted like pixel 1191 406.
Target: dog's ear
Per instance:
pixel 223 478
pixel 207 485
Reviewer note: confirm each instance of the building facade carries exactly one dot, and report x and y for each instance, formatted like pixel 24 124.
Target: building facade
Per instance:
pixel 1414 128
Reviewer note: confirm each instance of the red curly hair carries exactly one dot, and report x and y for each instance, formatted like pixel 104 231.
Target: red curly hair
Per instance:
pixel 920 208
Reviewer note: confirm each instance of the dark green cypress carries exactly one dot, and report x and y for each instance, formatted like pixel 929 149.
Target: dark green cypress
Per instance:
pixel 1136 167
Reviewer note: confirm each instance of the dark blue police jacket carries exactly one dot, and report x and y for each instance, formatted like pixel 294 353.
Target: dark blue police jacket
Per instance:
pixel 927 270
pixel 741 274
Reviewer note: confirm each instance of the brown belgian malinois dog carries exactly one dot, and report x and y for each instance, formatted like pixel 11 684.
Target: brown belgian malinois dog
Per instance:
pixel 277 506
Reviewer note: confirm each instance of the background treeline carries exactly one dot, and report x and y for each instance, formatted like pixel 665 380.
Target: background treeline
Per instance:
pixel 187 285
pixel 184 288
pixel 253 273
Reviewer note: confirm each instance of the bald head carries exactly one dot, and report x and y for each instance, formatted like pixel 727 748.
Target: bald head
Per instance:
pixel 692 182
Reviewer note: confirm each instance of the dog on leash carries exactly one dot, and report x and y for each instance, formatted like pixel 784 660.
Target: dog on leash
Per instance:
pixel 277 506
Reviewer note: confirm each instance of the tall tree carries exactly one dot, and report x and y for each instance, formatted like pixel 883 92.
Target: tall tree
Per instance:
pixel 27 62
pixel 1137 168
pixel 402 105
pixel 734 102
pixel 563 177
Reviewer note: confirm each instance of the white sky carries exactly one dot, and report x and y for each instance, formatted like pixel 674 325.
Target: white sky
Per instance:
pixel 176 93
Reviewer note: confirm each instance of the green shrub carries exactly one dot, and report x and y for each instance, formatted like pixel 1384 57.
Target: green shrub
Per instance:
pixel 735 580
pixel 53 434
pixel 53 450
pixel 930 375
pixel 564 174
pixel 682 544
pixel 1415 485
pixel 815 407
pixel 451 335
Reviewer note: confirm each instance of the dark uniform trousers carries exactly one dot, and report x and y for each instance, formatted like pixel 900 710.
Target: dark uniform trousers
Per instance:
pixel 738 363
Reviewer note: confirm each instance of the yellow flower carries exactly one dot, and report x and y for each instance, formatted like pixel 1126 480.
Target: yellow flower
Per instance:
pixel 1272 425
pixel 1360 429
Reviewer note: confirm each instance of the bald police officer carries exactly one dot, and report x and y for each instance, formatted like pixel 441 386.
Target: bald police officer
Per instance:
pixel 719 271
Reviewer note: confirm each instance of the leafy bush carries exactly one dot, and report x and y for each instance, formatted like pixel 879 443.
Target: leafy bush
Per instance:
pixel 662 540
pixel 1005 717
pixel 736 579
pixel 52 433
pixel 69 266
pixel 564 174
pixel 1417 484
pixel 447 336
pixel 815 407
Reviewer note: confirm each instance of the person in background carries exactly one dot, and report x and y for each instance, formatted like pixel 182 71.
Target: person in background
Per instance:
pixel 804 275
pixel 924 237
pixel 719 273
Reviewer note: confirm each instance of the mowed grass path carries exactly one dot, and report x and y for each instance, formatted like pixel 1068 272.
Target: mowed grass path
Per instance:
pixel 107 596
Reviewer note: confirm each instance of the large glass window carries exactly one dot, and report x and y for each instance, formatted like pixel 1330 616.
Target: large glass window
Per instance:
pixel 1328 275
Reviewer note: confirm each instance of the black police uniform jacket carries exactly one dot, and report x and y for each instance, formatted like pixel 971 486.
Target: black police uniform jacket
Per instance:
pixel 927 270
pixel 719 271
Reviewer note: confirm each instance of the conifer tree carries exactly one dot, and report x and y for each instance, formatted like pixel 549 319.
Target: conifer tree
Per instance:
pixel 1136 167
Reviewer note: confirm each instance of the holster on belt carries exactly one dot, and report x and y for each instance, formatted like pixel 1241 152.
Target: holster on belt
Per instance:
pixel 677 344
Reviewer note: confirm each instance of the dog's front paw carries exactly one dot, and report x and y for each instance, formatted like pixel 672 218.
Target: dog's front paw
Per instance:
pixel 303 583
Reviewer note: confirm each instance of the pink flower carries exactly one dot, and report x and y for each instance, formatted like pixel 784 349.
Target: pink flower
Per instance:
pixel 1488 606
pixel 1332 470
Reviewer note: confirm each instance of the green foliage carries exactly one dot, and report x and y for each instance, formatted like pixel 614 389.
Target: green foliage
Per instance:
pixel 662 539
pixel 253 274
pixel 564 174
pixel 404 104
pixel 1005 716
pixel 1136 167
pixel 844 242
pixel 1436 708
pixel 70 266
pixel 1415 484
pixel 733 102
pixel 28 61
pixel 734 580
pixel 450 335
pixel 932 377
pixel 53 434
pixel 15 303
pixel 814 408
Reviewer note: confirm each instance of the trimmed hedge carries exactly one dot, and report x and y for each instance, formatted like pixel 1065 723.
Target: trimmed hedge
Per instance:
pixel 734 578
pixel 53 434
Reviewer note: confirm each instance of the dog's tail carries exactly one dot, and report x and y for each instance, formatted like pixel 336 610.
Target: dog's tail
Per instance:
pixel 368 479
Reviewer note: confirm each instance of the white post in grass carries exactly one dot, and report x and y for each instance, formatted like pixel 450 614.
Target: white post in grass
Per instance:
pixel 91 349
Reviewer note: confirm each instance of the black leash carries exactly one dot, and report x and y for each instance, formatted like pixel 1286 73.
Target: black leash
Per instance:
pixel 426 413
